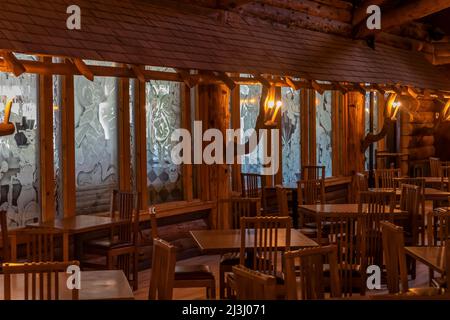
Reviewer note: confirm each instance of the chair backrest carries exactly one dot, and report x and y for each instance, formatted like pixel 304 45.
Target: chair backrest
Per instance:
pixel 253 285
pixel 440 228
pixel 251 184
pixel 267 241
pixel 312 172
pixel 394 257
pixel 41 279
pixel 123 207
pixel 269 201
pixel 373 208
pixel 385 178
pixel 282 199
pixel 6 250
pixel 445 173
pixel 163 271
pixel 42 243
pixel 435 167
pixel 309 265
pixel 153 223
pixel 242 207
pixel 311 191
pixel 359 184
pixel 409 202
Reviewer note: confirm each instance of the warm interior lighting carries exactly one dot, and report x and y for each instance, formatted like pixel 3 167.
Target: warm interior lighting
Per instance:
pixel 396 104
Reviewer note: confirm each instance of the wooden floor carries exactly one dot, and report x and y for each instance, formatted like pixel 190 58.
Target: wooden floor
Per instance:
pixel 213 261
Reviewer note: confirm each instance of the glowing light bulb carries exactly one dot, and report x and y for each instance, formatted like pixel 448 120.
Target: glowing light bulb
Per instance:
pixel 271 104
pixel 279 104
pixel 396 104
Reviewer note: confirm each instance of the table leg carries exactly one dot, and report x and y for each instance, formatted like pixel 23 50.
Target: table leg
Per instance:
pixel 66 245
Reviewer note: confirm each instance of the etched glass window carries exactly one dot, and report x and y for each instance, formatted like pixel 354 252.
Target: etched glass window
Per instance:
pixel 19 175
pixel 163 116
pixel 57 100
pixel 250 96
pixel 96 168
pixel 290 135
pixel 323 131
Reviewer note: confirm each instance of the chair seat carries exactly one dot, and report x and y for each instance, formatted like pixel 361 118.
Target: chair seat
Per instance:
pixel 106 244
pixel 193 272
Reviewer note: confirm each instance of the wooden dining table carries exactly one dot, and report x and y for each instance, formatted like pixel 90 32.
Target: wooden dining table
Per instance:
pixel 95 285
pixel 433 257
pixel 224 241
pixel 322 211
pixel 69 226
pixel 431 194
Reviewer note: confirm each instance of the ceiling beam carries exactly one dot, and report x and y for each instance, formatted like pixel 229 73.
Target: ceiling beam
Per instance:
pixel 413 10
pixel 13 63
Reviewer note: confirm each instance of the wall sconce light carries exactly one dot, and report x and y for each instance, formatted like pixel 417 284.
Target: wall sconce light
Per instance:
pixel 446 111
pixel 393 106
pixel 272 107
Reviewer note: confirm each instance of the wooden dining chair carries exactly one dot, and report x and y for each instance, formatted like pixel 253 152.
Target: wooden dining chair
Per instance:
pixel 40 279
pixel 419 182
pixel 312 173
pixel 439 224
pixel 253 285
pixel 188 276
pixel 310 192
pixel 283 202
pixel 238 208
pixel 435 166
pixel 42 244
pixel 5 253
pixel 251 185
pixel 163 271
pixel 308 264
pixel 396 263
pixel 385 178
pixel 122 243
pixel 360 184
pixel 269 201
pixel 445 174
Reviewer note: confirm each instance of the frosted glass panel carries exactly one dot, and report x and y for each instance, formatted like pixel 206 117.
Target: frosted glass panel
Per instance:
pixel 323 131
pixel 290 135
pixel 57 100
pixel 19 152
pixel 163 116
pixel 96 169
pixel 250 96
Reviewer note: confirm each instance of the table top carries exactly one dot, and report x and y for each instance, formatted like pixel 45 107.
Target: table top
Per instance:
pixel 223 241
pixel 430 193
pixel 329 209
pixel 95 285
pixel 433 179
pixel 81 223
pixel 433 257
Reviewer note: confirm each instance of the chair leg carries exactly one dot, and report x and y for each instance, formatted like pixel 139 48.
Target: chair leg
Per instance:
pixel 135 270
pixel 221 282
pixel 212 288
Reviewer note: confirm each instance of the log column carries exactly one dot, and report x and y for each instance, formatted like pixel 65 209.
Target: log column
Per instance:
pixel 214 112
pixel 354 103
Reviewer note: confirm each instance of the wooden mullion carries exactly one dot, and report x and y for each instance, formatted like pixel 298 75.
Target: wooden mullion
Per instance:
pixel 312 126
pixel 279 174
pixel 186 124
pixel 236 124
pixel 68 146
pixel 141 144
pixel 124 136
pixel 304 127
pixel 46 168
pixel 335 130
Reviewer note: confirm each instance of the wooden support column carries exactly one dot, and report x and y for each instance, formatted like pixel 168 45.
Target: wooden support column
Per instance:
pixel 355 125
pixel 336 132
pixel 46 166
pixel 141 144
pixel 214 110
pixel 312 109
pixel 279 175
pixel 68 146
pixel 304 127
pixel 124 136
pixel 236 124
pixel 186 124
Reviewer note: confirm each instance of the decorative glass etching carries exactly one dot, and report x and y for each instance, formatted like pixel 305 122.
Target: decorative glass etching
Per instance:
pixel 250 96
pixel 323 131
pixel 290 135
pixel 57 101
pixel 96 169
pixel 19 173
pixel 163 116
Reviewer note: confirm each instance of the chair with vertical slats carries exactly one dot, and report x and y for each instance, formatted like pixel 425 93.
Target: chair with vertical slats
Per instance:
pixel 253 285
pixel 395 262
pixel 251 184
pixel 163 271
pixel 41 280
pixel 122 244
pixel 312 173
pixel 445 174
pixel 188 276
pixel 360 184
pixel 386 178
pixel 267 244
pixel 42 244
pixel 435 166
pixel 237 208
pixel 310 192
pixel 5 253
pixel 308 264
pixel 282 199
